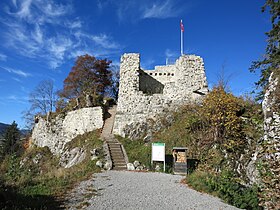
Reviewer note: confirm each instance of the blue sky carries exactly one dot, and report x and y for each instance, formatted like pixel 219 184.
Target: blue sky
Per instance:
pixel 40 39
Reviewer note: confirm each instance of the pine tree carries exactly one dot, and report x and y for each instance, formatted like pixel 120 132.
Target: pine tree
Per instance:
pixel 11 137
pixel 271 61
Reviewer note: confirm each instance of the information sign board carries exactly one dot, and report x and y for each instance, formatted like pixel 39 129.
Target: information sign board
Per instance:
pixel 158 152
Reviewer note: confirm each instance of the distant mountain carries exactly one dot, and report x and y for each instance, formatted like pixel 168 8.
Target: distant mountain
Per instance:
pixel 3 127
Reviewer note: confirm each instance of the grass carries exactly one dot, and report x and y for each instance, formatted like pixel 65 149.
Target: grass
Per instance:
pixel 137 150
pixel 226 187
pixel 42 185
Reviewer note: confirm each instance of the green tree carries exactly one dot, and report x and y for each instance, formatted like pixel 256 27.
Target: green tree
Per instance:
pixel 11 137
pixel 268 163
pixel 270 62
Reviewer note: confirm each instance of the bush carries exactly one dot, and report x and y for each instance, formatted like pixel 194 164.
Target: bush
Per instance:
pixel 226 187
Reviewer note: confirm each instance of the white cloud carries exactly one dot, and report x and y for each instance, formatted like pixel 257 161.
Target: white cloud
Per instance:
pixel 57 48
pixel 161 10
pixel 24 11
pixel 39 11
pixel 16 79
pixel 105 41
pixel 45 31
pixel 37 34
pixel 169 53
pixel 76 24
pixel 14 2
pixel 17 99
pixel 3 57
pixel 16 71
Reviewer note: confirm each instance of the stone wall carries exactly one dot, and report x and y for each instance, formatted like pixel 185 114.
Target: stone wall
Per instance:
pixel 56 132
pixel 146 94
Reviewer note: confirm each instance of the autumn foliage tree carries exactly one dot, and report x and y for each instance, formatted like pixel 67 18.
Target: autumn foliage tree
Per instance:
pixel 220 110
pixel 89 76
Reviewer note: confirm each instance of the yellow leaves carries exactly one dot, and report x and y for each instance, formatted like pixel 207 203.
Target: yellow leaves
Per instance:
pixel 220 108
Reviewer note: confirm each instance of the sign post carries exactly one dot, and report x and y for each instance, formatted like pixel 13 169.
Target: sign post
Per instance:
pixel 158 153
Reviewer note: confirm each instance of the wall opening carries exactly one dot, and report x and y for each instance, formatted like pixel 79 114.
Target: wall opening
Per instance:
pixel 148 84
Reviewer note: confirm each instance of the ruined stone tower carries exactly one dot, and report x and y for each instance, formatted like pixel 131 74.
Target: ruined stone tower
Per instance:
pixel 145 94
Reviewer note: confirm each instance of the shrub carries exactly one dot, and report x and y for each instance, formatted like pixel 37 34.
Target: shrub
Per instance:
pixel 226 187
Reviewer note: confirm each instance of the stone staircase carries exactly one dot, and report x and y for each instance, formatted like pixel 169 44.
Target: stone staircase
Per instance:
pixel 115 149
pixel 117 156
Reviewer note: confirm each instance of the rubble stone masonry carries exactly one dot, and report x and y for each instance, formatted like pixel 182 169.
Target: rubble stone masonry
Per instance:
pixel 145 94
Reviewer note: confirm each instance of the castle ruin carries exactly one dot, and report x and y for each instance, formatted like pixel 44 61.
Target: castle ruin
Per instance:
pixel 145 94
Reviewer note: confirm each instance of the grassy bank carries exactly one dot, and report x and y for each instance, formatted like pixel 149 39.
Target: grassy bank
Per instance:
pixel 34 179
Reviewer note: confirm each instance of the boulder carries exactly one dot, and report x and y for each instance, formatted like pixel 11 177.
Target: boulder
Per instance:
pixel 72 157
pixel 140 168
pixel 136 163
pixel 94 154
pixel 99 163
pixel 157 168
pixel 130 167
pixel 107 166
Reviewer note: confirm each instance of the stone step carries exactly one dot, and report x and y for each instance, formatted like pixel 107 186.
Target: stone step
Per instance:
pixel 117 157
pixel 115 150
pixel 115 147
pixel 117 154
pixel 113 143
pixel 119 162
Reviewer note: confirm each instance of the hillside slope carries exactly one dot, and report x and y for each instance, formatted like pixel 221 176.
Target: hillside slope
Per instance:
pixel 221 135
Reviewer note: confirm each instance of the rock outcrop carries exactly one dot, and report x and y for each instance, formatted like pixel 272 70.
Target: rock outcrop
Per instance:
pixel 55 133
pixel 269 157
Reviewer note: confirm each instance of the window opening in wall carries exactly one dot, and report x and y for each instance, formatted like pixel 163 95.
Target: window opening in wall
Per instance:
pixel 155 74
pixel 164 73
pixel 172 74
pixel 160 74
pixel 151 73
pixel 168 74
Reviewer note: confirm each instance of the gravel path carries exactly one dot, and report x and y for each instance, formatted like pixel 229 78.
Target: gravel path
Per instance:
pixel 136 190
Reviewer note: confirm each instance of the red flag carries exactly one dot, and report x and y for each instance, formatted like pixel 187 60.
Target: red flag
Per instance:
pixel 182 26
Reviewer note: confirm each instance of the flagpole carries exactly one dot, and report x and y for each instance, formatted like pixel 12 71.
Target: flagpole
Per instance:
pixel 182 30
